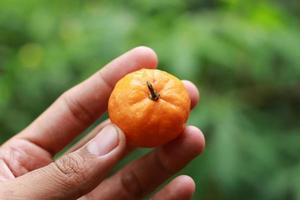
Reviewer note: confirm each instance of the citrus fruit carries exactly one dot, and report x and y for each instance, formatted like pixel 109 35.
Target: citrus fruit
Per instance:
pixel 150 106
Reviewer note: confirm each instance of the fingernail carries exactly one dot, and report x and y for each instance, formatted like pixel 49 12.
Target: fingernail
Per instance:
pixel 106 140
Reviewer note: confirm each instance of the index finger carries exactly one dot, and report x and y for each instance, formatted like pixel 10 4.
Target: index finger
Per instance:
pixel 80 106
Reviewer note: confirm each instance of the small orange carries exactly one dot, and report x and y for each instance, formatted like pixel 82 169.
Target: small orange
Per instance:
pixel 150 106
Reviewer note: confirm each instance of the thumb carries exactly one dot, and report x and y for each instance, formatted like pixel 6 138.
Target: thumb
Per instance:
pixel 77 173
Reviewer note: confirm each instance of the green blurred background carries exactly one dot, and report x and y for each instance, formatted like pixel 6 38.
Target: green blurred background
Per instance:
pixel 244 55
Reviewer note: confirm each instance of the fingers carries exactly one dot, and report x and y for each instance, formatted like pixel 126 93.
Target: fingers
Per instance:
pixel 181 188
pixel 193 94
pixel 77 108
pixel 76 173
pixel 145 174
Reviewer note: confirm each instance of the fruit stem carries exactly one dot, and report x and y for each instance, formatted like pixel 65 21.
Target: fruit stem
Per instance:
pixel 154 96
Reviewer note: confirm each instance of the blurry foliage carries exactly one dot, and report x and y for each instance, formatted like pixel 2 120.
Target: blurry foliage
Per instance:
pixel 243 55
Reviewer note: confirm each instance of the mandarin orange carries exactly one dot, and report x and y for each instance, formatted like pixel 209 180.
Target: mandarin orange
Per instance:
pixel 150 106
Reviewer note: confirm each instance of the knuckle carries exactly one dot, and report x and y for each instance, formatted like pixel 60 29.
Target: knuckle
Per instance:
pixel 163 164
pixel 104 81
pixel 71 169
pixel 77 109
pixel 131 185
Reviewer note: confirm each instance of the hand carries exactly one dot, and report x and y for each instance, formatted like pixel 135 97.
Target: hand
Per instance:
pixel 28 170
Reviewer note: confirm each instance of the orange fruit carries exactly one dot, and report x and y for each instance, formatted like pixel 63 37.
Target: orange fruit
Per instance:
pixel 150 106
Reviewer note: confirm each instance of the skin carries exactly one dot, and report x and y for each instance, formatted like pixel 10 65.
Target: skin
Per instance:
pixel 29 171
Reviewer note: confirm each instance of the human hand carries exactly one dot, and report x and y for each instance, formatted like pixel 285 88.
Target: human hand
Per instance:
pixel 29 171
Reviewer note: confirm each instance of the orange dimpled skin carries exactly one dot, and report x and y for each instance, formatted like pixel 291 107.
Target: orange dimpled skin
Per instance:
pixel 151 107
